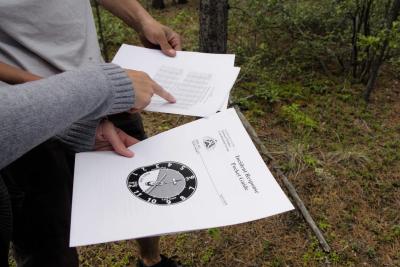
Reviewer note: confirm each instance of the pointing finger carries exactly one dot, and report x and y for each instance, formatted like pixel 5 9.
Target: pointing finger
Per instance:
pixel 158 90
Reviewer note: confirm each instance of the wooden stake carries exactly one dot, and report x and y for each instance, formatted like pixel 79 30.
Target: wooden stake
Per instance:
pixel 213 39
pixel 289 186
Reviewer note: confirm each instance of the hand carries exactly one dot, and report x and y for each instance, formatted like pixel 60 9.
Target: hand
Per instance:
pixel 144 88
pixel 154 35
pixel 109 137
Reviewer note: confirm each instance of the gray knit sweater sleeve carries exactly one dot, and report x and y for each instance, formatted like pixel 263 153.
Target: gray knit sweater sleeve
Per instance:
pixel 33 112
pixel 81 135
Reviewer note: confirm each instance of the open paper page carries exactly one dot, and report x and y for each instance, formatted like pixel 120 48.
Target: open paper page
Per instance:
pixel 200 82
pixel 137 57
pixel 204 174
pixel 198 93
pixel 225 103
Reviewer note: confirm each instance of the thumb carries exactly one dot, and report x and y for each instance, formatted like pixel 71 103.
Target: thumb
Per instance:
pixel 165 46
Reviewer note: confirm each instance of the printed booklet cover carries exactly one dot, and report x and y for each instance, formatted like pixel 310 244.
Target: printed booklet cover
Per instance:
pixel 204 174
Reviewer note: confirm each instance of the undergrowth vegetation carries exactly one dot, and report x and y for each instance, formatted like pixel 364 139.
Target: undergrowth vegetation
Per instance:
pixel 304 70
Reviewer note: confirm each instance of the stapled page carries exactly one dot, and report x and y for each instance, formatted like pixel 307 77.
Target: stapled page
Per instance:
pixel 203 174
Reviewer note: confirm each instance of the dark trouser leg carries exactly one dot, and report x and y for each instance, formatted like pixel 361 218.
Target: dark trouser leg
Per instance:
pixel 149 248
pixel 130 123
pixel 40 186
pixel 5 223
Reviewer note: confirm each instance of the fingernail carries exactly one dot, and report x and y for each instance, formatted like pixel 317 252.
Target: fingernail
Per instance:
pixel 172 52
pixel 129 154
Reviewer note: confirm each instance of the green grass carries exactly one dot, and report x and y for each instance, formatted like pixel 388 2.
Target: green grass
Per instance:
pixel 341 154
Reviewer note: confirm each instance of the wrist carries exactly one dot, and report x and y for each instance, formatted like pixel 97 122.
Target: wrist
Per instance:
pixel 135 16
pixel 122 88
pixel 143 23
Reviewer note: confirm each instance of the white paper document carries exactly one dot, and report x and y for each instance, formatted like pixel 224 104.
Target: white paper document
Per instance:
pixel 203 174
pixel 200 82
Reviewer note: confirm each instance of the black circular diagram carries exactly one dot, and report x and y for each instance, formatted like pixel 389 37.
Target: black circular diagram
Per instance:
pixel 163 183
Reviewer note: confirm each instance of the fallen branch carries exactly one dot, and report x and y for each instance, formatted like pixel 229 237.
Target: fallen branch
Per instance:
pixel 289 186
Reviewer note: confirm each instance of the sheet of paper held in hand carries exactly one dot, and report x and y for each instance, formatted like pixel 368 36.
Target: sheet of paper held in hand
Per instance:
pixel 204 174
pixel 200 82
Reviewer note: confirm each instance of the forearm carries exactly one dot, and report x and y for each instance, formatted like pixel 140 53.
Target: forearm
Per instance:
pixel 130 11
pixel 33 112
pixel 13 75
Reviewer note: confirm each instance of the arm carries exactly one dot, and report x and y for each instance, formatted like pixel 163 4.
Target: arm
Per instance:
pixel 79 135
pixel 130 11
pixel 84 135
pixel 152 33
pixel 13 75
pixel 32 112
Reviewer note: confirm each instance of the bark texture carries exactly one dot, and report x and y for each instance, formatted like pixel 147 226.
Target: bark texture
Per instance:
pixel 380 57
pixel 213 26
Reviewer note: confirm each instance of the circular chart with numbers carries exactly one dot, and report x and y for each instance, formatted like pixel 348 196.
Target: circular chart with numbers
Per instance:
pixel 163 183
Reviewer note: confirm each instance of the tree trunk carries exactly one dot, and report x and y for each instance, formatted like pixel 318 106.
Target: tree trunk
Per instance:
pixel 158 4
pixel 393 15
pixel 354 52
pixel 213 26
pixel 372 79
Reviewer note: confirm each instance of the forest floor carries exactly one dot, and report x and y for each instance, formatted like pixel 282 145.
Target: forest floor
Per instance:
pixel 345 166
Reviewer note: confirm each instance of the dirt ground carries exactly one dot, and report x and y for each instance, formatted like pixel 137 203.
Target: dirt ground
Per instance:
pixel 346 170
pixel 352 191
